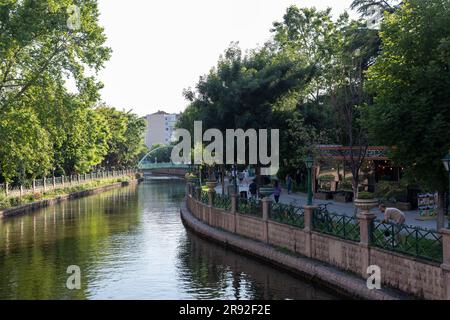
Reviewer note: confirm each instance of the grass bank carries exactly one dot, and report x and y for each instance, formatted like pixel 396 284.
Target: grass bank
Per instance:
pixel 11 202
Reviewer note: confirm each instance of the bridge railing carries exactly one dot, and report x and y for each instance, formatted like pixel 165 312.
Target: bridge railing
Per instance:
pixel 153 166
pixel 47 184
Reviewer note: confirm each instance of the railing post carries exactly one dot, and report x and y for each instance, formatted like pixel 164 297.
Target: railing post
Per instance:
pixel 34 185
pixel 62 181
pixel 233 198
pixel 446 262
pixel 21 190
pixel 365 229
pixel 6 188
pixel 211 193
pixel 266 206
pixel 309 227
pixel 54 182
pixel 44 184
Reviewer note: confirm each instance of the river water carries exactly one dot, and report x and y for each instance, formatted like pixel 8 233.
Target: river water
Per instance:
pixel 130 243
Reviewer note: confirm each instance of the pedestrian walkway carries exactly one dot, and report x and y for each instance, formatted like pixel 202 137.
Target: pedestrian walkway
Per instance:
pixel 348 209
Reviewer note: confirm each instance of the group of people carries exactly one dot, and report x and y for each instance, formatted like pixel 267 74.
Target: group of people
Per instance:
pixel 254 188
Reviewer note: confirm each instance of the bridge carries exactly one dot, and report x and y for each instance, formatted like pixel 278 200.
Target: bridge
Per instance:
pixel 158 162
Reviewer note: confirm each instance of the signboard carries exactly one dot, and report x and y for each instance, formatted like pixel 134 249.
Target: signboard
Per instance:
pixel 427 204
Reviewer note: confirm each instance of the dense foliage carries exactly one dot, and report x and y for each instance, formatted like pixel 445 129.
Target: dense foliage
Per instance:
pixel 44 128
pixel 335 80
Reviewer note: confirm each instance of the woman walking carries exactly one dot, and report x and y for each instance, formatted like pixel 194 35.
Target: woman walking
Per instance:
pixel 277 192
pixel 289 183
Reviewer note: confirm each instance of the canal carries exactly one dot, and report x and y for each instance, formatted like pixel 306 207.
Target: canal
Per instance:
pixel 130 243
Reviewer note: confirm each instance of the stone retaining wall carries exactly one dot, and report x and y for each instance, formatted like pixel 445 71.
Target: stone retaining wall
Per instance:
pixel 342 283
pixel 412 276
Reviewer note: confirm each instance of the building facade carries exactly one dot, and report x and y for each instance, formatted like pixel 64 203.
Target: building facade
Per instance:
pixel 160 128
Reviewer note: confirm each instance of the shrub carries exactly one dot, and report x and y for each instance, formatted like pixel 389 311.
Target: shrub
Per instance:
pixel 366 196
pixel 392 191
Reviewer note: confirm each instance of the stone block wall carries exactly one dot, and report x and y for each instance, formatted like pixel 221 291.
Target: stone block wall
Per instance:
pixel 416 277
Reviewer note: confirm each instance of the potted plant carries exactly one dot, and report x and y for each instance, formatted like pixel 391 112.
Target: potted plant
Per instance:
pixel 211 183
pixel 266 191
pixel 190 177
pixel 366 201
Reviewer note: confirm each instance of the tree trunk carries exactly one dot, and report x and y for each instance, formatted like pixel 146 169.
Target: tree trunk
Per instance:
pixel 222 171
pixel 441 211
pixel 355 186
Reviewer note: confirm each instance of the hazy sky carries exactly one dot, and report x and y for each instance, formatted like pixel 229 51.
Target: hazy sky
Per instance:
pixel 161 47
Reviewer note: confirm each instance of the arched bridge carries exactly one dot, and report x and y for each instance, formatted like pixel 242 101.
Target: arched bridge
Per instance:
pixel 158 161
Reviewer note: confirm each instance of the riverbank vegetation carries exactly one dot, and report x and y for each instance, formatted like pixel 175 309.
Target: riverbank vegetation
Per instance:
pixel 11 202
pixel 45 128
pixel 334 80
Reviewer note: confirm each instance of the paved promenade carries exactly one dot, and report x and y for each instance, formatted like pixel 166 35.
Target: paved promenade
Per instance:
pixel 299 200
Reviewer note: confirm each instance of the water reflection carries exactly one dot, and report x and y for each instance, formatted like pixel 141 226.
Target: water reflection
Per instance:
pixel 130 244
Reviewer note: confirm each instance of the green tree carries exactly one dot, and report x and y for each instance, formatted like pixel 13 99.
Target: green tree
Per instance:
pixel 411 81
pixel 126 142
pixel 37 47
pixel 26 149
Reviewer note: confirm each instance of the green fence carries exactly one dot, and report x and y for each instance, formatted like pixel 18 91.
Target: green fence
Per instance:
pixel 341 226
pixel 204 197
pixel 222 202
pixel 288 214
pixel 414 241
pixel 250 207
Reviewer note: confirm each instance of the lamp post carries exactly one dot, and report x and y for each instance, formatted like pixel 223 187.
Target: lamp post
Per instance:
pixel 446 162
pixel 309 161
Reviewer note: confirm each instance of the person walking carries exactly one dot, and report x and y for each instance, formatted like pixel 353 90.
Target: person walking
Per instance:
pixel 277 192
pixel 253 188
pixel 289 183
pixel 298 178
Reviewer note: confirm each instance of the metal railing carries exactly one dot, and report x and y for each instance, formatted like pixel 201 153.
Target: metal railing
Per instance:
pixel 47 184
pixel 413 241
pixel 222 202
pixel 249 207
pixel 204 197
pixel 288 214
pixel 410 240
pixel 337 225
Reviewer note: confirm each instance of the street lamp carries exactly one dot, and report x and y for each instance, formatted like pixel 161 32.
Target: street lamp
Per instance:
pixel 446 162
pixel 309 161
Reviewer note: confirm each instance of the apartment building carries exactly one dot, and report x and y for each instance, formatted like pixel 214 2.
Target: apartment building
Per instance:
pixel 160 127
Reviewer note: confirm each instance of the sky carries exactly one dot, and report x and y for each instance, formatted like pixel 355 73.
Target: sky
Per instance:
pixel 162 47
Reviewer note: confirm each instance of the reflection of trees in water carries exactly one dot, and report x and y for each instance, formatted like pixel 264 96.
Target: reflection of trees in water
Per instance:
pixel 36 249
pixel 209 272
